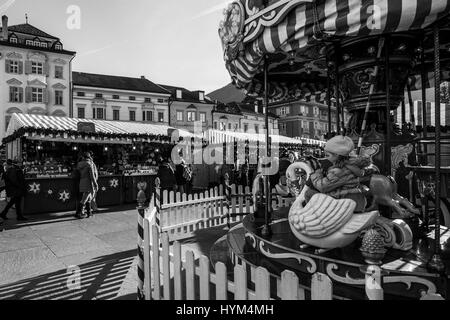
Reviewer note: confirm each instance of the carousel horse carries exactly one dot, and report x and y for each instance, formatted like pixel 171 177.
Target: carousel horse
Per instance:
pixel 381 189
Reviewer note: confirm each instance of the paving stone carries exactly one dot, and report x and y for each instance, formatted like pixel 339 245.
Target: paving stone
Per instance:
pixel 16 239
pixel 122 240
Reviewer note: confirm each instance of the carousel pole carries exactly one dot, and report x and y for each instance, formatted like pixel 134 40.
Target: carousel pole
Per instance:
pixel 336 70
pixel 266 231
pixel 423 78
pixel 403 114
pixel 436 263
pixel 387 71
pixel 329 103
pixel 411 107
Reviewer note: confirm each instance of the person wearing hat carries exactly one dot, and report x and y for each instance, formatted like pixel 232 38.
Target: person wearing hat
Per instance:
pixel 342 178
pixel 88 185
pixel 15 189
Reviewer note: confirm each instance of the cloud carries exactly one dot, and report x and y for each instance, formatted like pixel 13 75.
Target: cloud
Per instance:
pixel 97 50
pixel 6 6
pixel 211 10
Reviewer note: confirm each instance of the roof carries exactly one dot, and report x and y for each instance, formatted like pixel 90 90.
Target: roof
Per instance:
pixel 186 95
pixel 20 45
pixel 31 30
pixel 227 94
pixel 250 108
pixel 116 82
pixel 217 136
pixel 228 108
pixel 20 120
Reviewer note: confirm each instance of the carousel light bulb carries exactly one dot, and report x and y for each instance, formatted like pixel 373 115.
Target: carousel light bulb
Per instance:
pixel 371 50
pixel 401 47
pixel 106 149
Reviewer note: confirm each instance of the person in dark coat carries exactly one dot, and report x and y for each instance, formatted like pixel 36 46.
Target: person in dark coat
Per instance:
pixel 166 175
pixel 15 189
pixel 179 176
pixel 88 184
pixel 76 187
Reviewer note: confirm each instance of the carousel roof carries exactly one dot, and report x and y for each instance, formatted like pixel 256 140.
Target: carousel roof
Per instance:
pixel 294 34
pixel 32 121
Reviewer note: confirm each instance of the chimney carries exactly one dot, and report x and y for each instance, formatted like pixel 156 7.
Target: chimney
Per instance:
pixel 5 28
pixel 143 77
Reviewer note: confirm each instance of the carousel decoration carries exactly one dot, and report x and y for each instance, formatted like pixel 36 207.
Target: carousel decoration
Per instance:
pixel 114 183
pixel 311 50
pixel 64 196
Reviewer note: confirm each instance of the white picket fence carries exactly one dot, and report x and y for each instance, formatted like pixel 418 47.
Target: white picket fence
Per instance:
pixel 169 275
pixel 181 215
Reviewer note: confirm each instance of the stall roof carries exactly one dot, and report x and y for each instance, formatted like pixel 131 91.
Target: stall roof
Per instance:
pixel 19 120
pixel 217 136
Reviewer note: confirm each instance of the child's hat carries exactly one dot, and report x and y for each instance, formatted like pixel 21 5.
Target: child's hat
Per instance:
pixel 340 145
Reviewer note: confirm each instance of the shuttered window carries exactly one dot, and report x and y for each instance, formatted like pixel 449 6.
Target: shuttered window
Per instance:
pixel 15 94
pixel 37 95
pixel 116 115
pixel 13 66
pixel 37 67
pixel 58 98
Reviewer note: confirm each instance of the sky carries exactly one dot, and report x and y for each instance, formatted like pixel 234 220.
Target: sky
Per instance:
pixel 173 42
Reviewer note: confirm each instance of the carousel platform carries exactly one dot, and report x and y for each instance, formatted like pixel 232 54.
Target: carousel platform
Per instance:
pixel 405 275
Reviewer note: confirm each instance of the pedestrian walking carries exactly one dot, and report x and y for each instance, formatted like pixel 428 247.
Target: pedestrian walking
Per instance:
pixel 2 180
pixel 76 186
pixel 166 174
pixel 15 189
pixel 183 174
pixel 88 185
pixel 94 199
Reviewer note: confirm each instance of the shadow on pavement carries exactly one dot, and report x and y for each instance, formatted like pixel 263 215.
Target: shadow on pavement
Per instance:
pixel 100 279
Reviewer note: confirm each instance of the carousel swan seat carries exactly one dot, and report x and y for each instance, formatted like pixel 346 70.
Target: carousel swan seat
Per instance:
pixel 328 223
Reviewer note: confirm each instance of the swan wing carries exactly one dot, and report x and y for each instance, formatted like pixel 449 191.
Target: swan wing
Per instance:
pixel 360 221
pixel 322 216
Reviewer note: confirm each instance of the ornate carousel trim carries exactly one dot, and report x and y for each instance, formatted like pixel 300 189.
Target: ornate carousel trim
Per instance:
pixel 311 269
pixel 347 279
pixel 409 280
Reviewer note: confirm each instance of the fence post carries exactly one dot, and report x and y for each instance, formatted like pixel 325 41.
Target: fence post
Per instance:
pixel 158 204
pixel 227 188
pixel 140 246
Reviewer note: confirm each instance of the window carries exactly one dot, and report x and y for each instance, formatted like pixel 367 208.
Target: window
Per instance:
pixel 223 126
pixel 59 72
pixel 29 42
pixel 161 116
pixel 36 43
pixel 148 100
pixel 316 111
pixel 81 113
pixel 245 127
pixel 191 116
pixel 37 95
pixel 58 97
pixel 80 94
pixel 179 115
pixel 147 116
pixel 229 126
pixel 99 95
pixel 160 100
pixel 116 115
pixel 132 115
pixel 37 67
pixel 58 46
pixel 283 111
pixel 303 109
pixel 15 94
pixel 13 40
pixel 132 98
pixel 215 125
pixel 116 97
pixel 99 113
pixel 13 66
pixel 256 128
pixel 203 117
pixel 44 44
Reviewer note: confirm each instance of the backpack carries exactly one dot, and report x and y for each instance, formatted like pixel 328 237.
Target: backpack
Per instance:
pixel 187 173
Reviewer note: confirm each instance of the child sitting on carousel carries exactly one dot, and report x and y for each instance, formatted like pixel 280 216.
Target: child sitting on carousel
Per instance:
pixel 339 177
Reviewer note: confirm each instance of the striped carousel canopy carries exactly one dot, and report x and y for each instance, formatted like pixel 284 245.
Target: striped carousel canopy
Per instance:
pixel 293 35
pixel 31 121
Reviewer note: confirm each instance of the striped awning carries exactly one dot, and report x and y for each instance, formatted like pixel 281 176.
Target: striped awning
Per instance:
pixel 32 121
pixel 217 136
pixel 291 33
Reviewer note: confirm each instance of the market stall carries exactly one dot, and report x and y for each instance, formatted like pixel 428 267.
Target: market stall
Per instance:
pixel 49 147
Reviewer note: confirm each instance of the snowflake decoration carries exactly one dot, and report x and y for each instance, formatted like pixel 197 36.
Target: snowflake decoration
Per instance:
pixel 103 189
pixel 35 188
pixel 50 192
pixel 114 183
pixel 64 196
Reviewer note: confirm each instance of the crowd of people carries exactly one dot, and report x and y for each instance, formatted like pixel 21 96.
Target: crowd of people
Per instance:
pixel 176 178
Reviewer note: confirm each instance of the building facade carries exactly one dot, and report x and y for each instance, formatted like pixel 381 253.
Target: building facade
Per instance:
pixel 36 74
pixel 187 107
pixel 304 119
pixel 106 97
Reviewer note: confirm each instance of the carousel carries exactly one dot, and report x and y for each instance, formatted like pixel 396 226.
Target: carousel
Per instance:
pixel 348 212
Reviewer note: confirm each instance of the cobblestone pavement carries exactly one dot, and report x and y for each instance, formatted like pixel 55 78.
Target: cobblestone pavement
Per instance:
pixel 39 259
